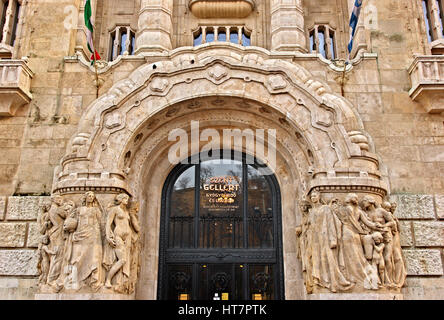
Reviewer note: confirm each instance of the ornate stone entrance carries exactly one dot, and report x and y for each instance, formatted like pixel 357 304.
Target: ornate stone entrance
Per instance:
pixel 122 142
pixel 221 232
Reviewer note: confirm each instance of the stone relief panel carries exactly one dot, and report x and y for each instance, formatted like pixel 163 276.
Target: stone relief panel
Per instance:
pixel 89 247
pixel 351 245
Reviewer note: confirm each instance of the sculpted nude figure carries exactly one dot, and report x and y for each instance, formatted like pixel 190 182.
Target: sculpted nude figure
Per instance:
pixel 385 222
pixel 119 238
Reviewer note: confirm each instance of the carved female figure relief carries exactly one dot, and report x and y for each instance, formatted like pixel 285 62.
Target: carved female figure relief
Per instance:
pixel 56 216
pixel 44 261
pixel 119 237
pixel 399 271
pixel 349 248
pixel 327 260
pixel 384 223
pixel 86 251
pixel 355 226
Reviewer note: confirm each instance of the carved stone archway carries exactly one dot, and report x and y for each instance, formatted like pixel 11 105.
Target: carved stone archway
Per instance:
pixel 121 145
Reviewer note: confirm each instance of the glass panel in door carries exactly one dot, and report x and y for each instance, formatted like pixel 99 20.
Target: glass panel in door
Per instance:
pixel 221 204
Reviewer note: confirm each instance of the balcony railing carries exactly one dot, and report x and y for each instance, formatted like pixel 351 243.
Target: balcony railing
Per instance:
pixel 427 77
pixel 15 85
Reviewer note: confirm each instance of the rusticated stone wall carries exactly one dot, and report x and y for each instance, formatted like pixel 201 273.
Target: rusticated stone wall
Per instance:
pixel 422 222
pixel 19 240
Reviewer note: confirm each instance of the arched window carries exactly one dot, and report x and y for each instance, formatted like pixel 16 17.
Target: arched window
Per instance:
pixel 122 41
pixel 322 40
pixel 10 14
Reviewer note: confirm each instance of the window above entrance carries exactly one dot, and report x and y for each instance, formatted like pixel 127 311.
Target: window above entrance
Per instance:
pixel 122 42
pixel 230 206
pixel 234 34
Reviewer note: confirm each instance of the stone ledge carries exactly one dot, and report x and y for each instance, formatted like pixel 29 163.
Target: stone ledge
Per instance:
pixel 429 233
pixel 18 262
pixel 17 289
pixel 424 288
pixel 83 296
pixel 355 296
pixel 423 262
pixel 12 235
pixel 414 206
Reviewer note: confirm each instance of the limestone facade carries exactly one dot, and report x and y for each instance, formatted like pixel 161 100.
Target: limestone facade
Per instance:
pixel 376 129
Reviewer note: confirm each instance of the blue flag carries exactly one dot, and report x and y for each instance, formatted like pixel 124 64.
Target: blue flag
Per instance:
pixel 354 22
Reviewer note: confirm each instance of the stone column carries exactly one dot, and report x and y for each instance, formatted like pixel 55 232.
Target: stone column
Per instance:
pixel 287 26
pixel 155 26
pixel 9 21
pixel 435 24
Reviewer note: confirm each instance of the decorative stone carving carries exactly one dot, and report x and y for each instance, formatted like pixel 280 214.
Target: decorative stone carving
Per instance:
pixel 277 82
pixel 360 139
pixel 347 247
pixel 218 72
pixel 159 84
pixel 113 120
pixel 80 253
pixel 221 9
pixel 120 242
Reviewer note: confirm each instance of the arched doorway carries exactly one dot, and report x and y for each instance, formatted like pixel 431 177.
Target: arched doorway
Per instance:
pixel 122 141
pixel 221 232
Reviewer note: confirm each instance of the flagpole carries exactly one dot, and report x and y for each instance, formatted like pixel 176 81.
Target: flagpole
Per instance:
pixel 343 77
pixel 97 76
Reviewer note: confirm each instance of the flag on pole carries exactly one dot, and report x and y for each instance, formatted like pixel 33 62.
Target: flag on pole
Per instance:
pixel 89 32
pixel 354 23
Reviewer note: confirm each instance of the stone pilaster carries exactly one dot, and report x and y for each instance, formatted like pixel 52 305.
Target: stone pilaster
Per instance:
pixel 287 26
pixel 155 26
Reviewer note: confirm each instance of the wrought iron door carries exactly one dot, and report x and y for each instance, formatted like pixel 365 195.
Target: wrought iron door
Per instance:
pixel 221 232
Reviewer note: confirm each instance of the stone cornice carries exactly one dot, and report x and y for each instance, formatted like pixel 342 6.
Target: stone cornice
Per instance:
pixel 161 55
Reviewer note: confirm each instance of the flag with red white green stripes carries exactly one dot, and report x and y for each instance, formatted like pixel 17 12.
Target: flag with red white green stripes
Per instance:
pixel 90 32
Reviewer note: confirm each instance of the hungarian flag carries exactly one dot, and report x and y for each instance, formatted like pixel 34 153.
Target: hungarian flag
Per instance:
pixel 89 32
